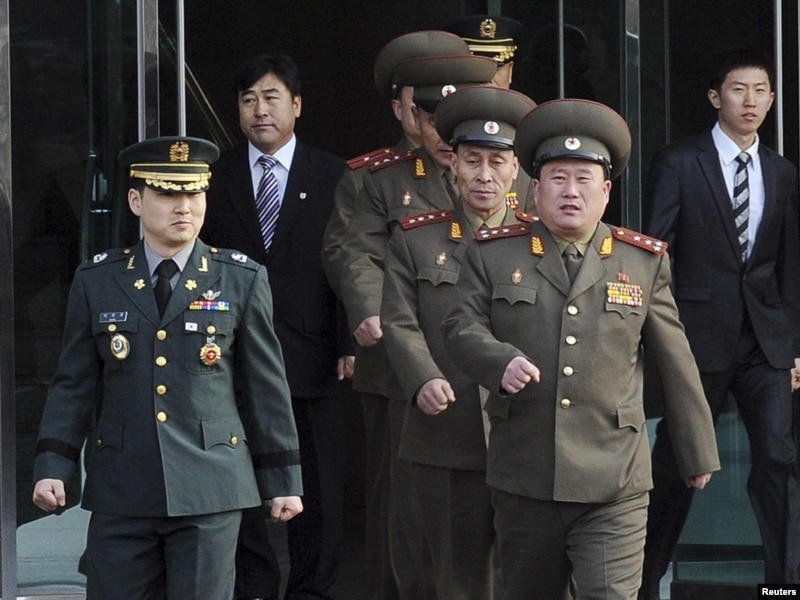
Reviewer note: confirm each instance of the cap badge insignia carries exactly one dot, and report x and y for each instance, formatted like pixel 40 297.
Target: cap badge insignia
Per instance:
pixel 239 257
pixel 138 284
pixel 179 152
pixel 406 198
pixel 120 347
pixel 572 143
pixel 448 89
pixel 516 277
pixel 190 284
pixel 537 248
pixel 488 28
pixel 491 127
pixel 441 259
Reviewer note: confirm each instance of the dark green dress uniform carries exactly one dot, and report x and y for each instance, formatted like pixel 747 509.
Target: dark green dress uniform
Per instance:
pixel 446 452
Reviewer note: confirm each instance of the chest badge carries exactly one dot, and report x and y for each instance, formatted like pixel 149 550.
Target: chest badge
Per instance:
pixel 406 199
pixel 516 277
pixel 210 353
pixel 441 259
pixel 120 347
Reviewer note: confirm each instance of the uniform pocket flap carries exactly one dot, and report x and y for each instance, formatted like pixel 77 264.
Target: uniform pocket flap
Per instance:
pixel 514 293
pixel 227 431
pixel 630 416
pixel 437 276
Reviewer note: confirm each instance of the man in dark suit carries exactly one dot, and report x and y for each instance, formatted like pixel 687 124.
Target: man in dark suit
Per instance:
pixel 160 375
pixel 277 216
pixel 736 268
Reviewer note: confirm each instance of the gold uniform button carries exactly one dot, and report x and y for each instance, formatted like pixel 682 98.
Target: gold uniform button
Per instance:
pixel 161 361
pixel 99 442
pixel 161 335
pixel 112 328
pixel 234 440
pixel 211 330
pixel 572 310
pixel 568 371
pixel 161 390
pixel 565 403
pixel 162 417
pixel 571 340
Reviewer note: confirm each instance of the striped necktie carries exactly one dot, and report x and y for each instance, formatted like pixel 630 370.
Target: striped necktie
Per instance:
pixel 267 204
pixel 741 202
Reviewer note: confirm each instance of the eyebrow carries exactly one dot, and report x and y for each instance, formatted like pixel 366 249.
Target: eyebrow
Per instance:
pixel 271 90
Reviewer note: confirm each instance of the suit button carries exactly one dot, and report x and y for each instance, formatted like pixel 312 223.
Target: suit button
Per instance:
pixel 211 330
pixel 162 417
pixel 234 440
pixel 571 340
pixel 565 403
pixel 99 442
pixel 572 310
pixel 568 371
pixel 161 361
pixel 161 390
pixel 161 335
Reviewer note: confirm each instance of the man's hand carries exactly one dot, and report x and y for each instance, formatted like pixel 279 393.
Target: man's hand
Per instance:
pixel 369 332
pixel 284 508
pixel 345 367
pixel 697 482
pixel 435 396
pixel 49 494
pixel 519 372
pixel 796 375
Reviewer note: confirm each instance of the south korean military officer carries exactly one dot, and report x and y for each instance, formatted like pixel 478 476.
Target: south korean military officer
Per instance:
pixel 442 438
pixel 165 342
pixel 495 37
pixel 551 319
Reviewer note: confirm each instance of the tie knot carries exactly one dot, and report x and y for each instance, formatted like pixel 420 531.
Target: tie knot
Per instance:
pixel 571 251
pixel 166 268
pixel 743 159
pixel 267 161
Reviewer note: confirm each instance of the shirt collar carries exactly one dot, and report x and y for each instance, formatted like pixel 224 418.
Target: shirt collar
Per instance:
pixel 728 149
pixel 154 258
pixel 283 156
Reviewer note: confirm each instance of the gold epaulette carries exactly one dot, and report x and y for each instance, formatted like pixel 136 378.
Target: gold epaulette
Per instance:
pixel 504 231
pixel 634 238
pixel 368 158
pixel 526 217
pixel 393 158
pixel 428 218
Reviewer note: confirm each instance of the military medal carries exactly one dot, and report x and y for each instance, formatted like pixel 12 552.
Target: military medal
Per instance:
pixel 210 353
pixel 516 277
pixel 406 200
pixel 441 259
pixel 120 347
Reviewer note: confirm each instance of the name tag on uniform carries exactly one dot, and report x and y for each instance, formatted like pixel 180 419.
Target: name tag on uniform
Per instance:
pixel 114 317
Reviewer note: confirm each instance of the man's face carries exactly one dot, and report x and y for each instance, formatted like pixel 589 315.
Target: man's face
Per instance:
pixel 441 153
pixel 571 196
pixel 743 101
pixel 170 221
pixel 402 110
pixel 484 176
pixel 267 113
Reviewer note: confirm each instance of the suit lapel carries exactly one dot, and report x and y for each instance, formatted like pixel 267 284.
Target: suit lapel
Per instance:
pixel 239 190
pixel 295 198
pixel 710 167
pixel 770 194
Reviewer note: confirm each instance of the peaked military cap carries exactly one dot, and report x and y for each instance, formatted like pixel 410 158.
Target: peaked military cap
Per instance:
pixel 485 116
pixel 416 44
pixel 435 77
pixel 494 37
pixel 572 128
pixel 171 163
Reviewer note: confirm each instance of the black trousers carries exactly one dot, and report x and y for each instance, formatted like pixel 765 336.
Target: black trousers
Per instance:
pixel 764 399
pixel 315 536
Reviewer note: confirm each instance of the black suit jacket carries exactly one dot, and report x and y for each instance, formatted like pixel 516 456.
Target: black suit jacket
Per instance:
pixel 714 289
pixel 306 312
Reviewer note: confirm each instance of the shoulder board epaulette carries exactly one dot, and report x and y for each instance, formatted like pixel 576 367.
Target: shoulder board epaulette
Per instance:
pixel 231 257
pixel 428 218
pixel 634 238
pixel 391 159
pixel 526 217
pixel 109 256
pixel 368 158
pixel 504 231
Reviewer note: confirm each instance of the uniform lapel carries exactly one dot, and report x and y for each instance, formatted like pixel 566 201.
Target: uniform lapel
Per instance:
pixel 432 189
pixel 592 268
pixel 134 280
pixel 198 277
pixel 550 265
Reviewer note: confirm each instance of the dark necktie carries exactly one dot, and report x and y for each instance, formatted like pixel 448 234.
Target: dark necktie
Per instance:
pixel 163 288
pixel 741 202
pixel 572 261
pixel 267 204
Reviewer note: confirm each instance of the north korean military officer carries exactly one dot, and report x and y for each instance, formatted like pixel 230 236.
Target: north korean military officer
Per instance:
pixel 558 341
pixel 373 379
pixel 442 437
pixel 164 344
pixel 495 37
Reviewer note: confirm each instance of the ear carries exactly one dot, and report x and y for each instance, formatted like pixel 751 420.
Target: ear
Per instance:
pixel 135 201
pixel 297 102
pixel 713 97
pixel 515 162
